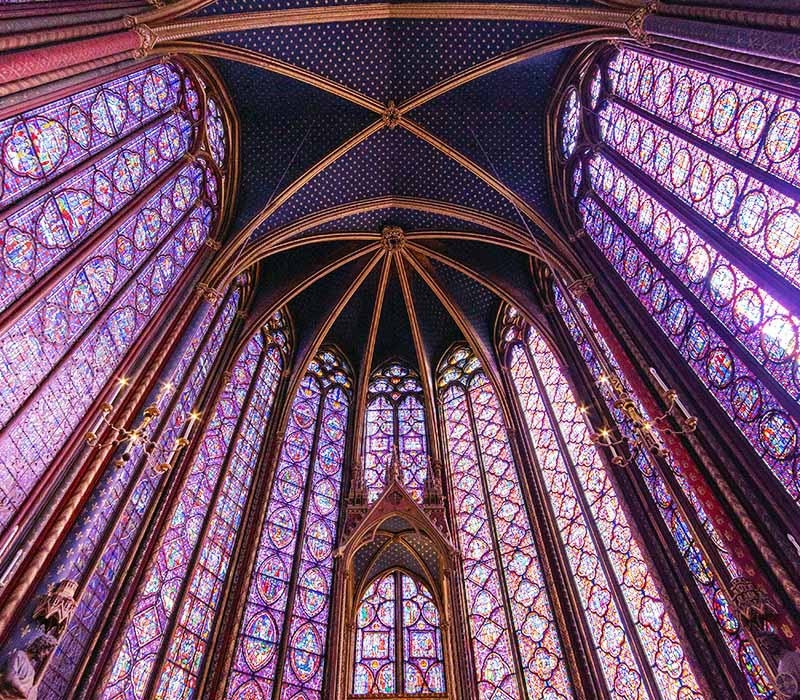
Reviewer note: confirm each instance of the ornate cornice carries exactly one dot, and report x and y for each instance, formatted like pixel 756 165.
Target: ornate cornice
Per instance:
pixel 635 24
pixel 243 21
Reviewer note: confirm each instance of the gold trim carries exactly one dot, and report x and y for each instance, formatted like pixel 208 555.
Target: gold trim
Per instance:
pixel 297 289
pixel 218 268
pixel 366 365
pixel 273 65
pixel 422 358
pixel 228 264
pixel 506 192
pixel 537 48
pixel 202 26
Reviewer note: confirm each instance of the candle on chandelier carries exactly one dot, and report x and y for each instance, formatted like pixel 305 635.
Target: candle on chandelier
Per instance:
pixel 663 388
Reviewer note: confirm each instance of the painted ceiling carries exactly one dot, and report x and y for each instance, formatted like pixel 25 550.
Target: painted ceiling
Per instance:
pixel 325 168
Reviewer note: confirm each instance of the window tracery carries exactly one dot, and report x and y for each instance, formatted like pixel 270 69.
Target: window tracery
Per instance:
pixel 514 635
pixel 195 549
pixel 290 588
pixel 398 627
pixel 637 645
pixel 692 195
pixel 395 422
pixel 119 503
pixel 685 527
pixel 105 215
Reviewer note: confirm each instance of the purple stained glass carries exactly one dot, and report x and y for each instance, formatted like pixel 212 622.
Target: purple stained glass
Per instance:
pixel 215 129
pixel 594 530
pixel 46 141
pixel 674 519
pixel 189 641
pixel 45 228
pixel 423 657
pixel 35 343
pixel 35 435
pixel 494 528
pixel 308 626
pixel 489 626
pixel 130 671
pixel 740 204
pixel 395 421
pixel 755 124
pixel 397 614
pixel 134 486
pixel 376 637
pixel 749 403
pixel 767 330
pixel 379 447
pixel 304 494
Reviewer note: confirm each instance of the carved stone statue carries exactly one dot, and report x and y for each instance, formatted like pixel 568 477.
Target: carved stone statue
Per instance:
pixel 19 672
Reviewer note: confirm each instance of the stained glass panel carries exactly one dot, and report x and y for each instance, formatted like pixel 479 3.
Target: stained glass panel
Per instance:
pixel 295 551
pixel 395 421
pixel 380 446
pixel 423 658
pixel 43 229
pixel 685 539
pixel 376 631
pixel 195 617
pixel 308 628
pixel 46 141
pixel 36 433
pixel 489 626
pixel 129 674
pixel 602 552
pixel 755 411
pixel 129 489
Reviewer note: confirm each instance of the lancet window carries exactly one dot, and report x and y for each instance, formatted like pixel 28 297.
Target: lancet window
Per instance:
pixel 100 543
pixel 103 214
pixel 282 639
pixel 697 539
pixel 398 641
pixel 692 195
pixel 395 427
pixel 173 612
pixel 515 643
pixel 637 645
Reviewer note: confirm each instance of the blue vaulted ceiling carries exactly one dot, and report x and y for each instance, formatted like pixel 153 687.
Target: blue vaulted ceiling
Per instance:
pixel 350 71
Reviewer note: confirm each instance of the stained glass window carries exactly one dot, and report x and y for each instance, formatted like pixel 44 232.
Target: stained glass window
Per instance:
pixel 106 530
pixel 693 197
pixel 103 217
pixel 635 638
pixel 289 593
pixel 685 528
pixel 398 640
pixel 514 635
pixel 195 549
pixel 395 425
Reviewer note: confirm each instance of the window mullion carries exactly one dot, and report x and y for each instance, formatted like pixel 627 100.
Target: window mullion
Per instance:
pixel 787 402
pixel 283 644
pixel 651 684
pixel 761 272
pixel 750 169
pixel 510 626
pixel 399 635
pixel 166 640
